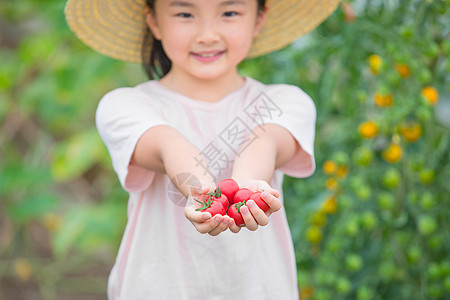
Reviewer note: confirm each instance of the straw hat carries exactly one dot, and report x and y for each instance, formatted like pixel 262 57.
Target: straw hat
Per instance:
pixel 116 28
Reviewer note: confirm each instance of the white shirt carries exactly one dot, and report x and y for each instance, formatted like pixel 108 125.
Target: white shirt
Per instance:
pixel 162 256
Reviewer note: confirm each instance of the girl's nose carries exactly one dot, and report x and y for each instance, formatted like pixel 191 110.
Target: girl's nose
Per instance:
pixel 207 33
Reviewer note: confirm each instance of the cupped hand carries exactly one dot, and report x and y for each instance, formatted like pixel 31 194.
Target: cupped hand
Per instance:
pixel 254 216
pixel 203 221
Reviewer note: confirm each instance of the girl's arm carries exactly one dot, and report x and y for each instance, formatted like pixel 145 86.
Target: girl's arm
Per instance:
pixel 163 149
pixel 254 168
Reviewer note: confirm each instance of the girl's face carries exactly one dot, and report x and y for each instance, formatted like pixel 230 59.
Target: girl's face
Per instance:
pixel 205 38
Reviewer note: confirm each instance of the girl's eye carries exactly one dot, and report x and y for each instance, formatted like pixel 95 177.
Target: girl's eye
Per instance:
pixel 184 15
pixel 230 14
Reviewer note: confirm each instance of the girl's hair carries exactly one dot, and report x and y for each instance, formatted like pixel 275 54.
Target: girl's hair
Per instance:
pixel 155 62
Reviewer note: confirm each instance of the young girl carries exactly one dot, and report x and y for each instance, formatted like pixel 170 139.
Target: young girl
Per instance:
pixel 194 123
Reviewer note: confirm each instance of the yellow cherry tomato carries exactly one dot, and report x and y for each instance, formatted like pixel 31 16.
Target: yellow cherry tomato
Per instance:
pixel 329 167
pixel 430 94
pixel 375 63
pixel 330 206
pixel 403 70
pixel 411 131
pixel 332 184
pixel 368 129
pixel 342 171
pixel 383 100
pixel 393 153
pixel 314 235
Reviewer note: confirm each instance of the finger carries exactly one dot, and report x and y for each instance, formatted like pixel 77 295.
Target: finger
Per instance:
pixel 196 190
pixel 196 216
pixel 273 202
pixel 271 191
pixel 221 227
pixel 209 225
pixel 207 189
pixel 258 214
pixel 201 189
pixel 249 221
pixel 233 227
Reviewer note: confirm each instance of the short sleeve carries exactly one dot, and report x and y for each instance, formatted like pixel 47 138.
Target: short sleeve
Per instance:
pixel 294 110
pixel 122 117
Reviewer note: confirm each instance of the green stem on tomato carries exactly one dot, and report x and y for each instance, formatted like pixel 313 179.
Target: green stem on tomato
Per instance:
pixel 205 204
pixel 239 205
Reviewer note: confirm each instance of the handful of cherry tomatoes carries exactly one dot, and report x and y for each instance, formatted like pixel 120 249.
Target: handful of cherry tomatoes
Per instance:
pixel 228 198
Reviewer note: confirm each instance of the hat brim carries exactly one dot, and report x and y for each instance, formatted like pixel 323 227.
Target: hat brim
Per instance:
pixel 116 28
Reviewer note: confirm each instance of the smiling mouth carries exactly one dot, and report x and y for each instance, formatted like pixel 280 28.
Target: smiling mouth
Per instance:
pixel 209 54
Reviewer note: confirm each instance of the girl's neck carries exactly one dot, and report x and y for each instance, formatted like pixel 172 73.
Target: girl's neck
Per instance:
pixel 208 90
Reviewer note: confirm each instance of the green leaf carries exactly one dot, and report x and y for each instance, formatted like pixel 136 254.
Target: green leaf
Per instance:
pixel 76 155
pixel 16 176
pixel 73 225
pixel 88 227
pixel 32 207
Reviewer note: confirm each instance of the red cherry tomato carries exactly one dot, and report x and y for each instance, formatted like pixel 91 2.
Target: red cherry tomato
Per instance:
pixel 242 195
pixel 259 201
pixel 228 187
pixel 234 211
pixel 222 199
pixel 216 208
pixel 210 205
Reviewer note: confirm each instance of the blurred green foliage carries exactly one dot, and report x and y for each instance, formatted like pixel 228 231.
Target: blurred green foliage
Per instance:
pixel 369 224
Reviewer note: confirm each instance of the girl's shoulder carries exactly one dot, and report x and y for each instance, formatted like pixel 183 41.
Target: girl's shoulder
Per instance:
pixel 150 92
pixel 283 92
pixel 138 93
pixel 130 100
pixel 284 87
